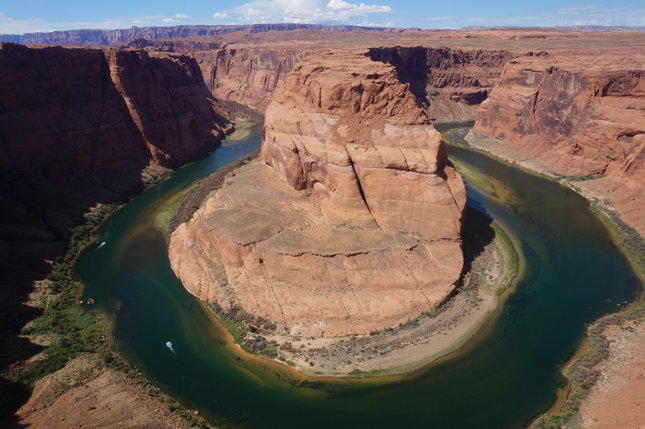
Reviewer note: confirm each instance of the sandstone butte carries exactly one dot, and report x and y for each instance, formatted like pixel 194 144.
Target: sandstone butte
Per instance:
pixel 81 127
pixel 350 223
pixel 563 102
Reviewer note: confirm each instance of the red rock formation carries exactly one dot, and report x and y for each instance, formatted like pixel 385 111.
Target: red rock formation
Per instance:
pixel 449 83
pixel 359 138
pixel 247 75
pixel 77 127
pixel 374 238
pixel 93 111
pixel 576 116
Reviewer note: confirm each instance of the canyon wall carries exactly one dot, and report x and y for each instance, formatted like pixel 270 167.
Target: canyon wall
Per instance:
pixel 246 75
pixel 581 117
pixel 80 127
pixel 353 222
pixel 449 83
pixel 98 117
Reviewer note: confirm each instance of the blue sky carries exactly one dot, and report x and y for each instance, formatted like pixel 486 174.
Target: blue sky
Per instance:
pixel 20 16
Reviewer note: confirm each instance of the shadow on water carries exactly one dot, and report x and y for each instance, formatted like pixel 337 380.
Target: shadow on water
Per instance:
pixel 476 235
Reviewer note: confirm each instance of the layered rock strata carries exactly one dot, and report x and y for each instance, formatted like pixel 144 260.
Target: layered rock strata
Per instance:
pixel 582 118
pixel 80 127
pixel 351 223
pixel 449 83
pixel 247 75
pixel 93 120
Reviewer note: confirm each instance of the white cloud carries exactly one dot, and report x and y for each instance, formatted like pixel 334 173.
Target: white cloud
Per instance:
pixel 305 11
pixel 181 16
pixel 167 20
pixel 220 15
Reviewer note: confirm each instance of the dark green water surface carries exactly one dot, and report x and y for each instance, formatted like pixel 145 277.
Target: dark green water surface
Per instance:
pixel 572 275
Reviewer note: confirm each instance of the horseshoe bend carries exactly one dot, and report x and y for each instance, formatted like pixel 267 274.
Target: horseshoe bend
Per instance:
pixel 350 221
pixel 348 203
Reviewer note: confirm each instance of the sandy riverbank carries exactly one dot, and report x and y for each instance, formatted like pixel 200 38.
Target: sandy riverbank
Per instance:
pixel 607 377
pixel 493 265
pixel 616 401
pixel 420 341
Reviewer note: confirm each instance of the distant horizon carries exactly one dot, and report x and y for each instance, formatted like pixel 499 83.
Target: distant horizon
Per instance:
pixel 465 28
pixel 38 16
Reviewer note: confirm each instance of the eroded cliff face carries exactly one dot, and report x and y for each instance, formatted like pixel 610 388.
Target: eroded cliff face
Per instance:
pixel 352 225
pixel 83 123
pixel 91 111
pixel 359 138
pixel 581 117
pixel 78 127
pixel 246 75
pixel 449 83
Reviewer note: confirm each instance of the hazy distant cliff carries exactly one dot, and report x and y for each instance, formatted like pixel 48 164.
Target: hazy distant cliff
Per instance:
pixel 111 37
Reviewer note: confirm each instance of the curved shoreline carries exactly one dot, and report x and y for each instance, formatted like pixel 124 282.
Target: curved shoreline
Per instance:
pixel 596 204
pixel 573 395
pixel 457 342
pixel 302 378
pixel 408 348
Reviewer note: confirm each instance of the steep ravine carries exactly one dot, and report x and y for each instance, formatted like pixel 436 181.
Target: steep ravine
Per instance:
pixel 448 83
pixel 81 127
pixel 576 121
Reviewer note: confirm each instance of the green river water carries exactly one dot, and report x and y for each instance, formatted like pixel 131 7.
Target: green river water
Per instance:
pixel 503 378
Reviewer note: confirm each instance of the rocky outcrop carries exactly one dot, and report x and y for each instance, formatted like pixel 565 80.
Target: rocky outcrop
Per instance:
pixel 85 393
pixel 78 127
pixel 359 138
pixel 113 37
pixel 356 225
pixel 246 75
pixel 449 83
pixel 580 117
